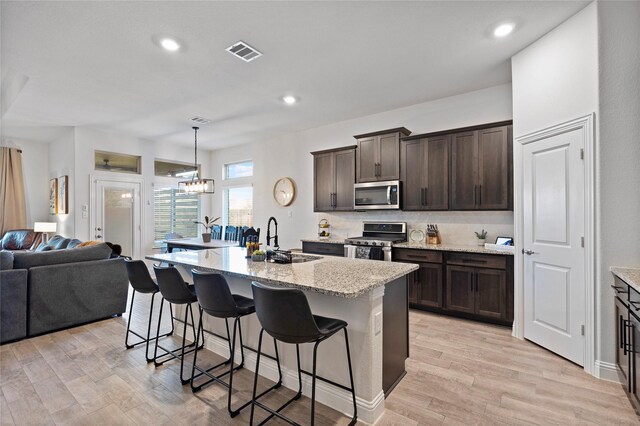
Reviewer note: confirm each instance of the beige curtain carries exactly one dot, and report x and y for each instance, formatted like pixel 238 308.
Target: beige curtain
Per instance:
pixel 13 209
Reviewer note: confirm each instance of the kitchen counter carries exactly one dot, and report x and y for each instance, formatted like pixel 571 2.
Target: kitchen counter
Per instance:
pixel 371 296
pixel 631 276
pixel 451 247
pixel 335 276
pixel 325 241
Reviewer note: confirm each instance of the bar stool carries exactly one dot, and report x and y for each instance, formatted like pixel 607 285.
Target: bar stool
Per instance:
pixel 215 298
pixel 284 313
pixel 175 291
pixel 142 282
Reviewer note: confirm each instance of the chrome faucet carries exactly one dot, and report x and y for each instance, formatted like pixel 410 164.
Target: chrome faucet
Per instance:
pixel 275 237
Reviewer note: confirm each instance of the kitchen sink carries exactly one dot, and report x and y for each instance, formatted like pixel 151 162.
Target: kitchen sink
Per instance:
pixel 299 258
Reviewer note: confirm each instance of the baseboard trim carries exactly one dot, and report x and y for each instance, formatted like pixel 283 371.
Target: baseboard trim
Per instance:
pixel 369 412
pixel 606 371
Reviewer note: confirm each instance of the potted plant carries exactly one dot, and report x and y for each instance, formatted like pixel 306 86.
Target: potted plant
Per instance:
pixel 208 224
pixel 482 237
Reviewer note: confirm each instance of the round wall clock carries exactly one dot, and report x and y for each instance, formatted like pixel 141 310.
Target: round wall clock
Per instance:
pixel 284 191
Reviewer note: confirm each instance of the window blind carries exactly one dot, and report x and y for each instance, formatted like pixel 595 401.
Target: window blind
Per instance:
pixel 174 212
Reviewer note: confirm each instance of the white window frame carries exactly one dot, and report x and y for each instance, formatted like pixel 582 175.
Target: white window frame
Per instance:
pixel 231 183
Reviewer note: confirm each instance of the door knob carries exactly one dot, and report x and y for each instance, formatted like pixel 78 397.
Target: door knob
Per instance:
pixel 98 229
pixel 529 252
pixel 98 236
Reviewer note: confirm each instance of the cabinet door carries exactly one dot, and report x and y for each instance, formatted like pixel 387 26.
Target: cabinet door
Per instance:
pixel 389 159
pixel 430 278
pixel 491 288
pixel 459 289
pixel 345 169
pixel 324 183
pixel 464 171
pixel 411 166
pixel 367 159
pixel 493 168
pixel 436 173
pixel 414 289
pixel 622 356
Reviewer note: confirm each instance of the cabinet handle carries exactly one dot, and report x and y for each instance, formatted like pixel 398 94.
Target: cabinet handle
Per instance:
pixel 619 290
pixel 422 196
pixel 378 172
pixel 621 331
pixel 480 195
pixel 628 345
pixel 426 202
pixel 475 195
pixel 635 305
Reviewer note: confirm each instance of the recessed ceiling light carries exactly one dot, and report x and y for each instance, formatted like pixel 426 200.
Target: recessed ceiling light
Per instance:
pixel 504 29
pixel 289 100
pixel 169 44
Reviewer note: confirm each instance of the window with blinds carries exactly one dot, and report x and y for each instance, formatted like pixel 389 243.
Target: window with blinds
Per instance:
pixel 174 212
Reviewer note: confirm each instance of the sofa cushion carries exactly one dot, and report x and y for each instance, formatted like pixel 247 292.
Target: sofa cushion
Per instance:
pixel 43 247
pixel 6 260
pixel 58 242
pixel 19 239
pixel 74 243
pixel 26 260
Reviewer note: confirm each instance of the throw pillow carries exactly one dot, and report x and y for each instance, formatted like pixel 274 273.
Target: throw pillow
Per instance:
pixel 43 247
pixel 88 243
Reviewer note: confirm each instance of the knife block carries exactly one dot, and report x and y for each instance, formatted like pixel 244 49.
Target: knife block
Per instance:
pixel 434 239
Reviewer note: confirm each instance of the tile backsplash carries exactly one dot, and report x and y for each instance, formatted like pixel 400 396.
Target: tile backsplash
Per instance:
pixel 455 227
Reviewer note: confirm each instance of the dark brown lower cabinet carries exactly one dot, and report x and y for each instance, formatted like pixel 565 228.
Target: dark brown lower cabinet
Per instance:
pixel 634 359
pixel 476 286
pixel 622 356
pixel 425 285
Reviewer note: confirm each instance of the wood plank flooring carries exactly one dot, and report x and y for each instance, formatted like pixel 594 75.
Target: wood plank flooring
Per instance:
pixel 460 373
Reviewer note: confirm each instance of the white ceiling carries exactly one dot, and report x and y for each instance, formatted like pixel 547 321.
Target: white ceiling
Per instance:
pixel 95 63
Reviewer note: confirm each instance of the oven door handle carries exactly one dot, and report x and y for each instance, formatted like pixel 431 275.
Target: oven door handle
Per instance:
pixel 389 195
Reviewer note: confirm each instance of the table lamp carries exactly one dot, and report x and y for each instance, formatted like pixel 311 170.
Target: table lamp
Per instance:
pixel 45 228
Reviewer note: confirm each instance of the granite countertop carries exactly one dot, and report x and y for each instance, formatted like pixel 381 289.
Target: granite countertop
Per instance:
pixel 451 247
pixel 335 276
pixel 326 241
pixel 630 276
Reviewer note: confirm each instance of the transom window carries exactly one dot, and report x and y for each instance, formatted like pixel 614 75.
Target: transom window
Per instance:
pixel 238 170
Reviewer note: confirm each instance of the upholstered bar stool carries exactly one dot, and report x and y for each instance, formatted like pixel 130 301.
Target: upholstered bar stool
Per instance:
pixel 285 315
pixel 175 291
pixel 215 299
pixel 141 282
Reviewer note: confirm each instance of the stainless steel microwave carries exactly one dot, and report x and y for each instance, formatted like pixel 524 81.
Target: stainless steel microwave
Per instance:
pixel 377 195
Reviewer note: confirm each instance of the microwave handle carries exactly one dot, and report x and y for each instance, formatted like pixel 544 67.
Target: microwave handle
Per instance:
pixel 389 194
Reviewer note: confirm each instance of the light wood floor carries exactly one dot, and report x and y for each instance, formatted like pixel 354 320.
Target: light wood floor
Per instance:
pixel 460 372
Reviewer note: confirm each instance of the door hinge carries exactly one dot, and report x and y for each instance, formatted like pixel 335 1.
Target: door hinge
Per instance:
pixel 582 329
pixel 582 241
pixel 582 153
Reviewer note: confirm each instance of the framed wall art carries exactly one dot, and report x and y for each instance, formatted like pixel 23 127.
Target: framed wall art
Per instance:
pixel 63 194
pixel 53 196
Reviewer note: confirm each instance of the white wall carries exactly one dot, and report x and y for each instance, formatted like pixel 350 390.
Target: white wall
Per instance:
pixel 590 64
pixel 61 163
pixel 618 154
pixel 289 155
pixel 88 140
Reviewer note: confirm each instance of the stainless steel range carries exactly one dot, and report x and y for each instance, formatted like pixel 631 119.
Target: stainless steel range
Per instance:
pixel 376 240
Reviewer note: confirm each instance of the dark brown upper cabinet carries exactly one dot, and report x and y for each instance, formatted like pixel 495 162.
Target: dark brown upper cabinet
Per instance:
pixel 424 169
pixel 481 169
pixel 378 155
pixel 333 177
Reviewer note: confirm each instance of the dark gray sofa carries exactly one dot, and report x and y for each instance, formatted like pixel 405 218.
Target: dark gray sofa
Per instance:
pixel 13 299
pixel 64 288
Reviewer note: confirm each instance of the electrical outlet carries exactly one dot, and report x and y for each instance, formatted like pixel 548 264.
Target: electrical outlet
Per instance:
pixel 85 215
pixel 85 207
pixel 377 323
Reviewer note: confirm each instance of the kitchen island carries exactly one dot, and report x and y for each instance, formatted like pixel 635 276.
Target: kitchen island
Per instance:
pixel 371 296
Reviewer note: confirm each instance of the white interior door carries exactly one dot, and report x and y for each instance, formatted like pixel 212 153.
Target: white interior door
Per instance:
pixel 117 215
pixel 554 229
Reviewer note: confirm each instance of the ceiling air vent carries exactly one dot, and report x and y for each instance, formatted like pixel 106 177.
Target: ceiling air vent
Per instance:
pixel 243 51
pixel 200 120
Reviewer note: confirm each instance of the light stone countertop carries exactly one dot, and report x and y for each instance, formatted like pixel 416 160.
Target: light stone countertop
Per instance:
pixel 630 276
pixel 451 247
pixel 335 276
pixel 326 241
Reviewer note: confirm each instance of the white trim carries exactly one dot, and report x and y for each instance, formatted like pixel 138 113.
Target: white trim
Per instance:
pixel 587 124
pixel 369 412
pixel 107 177
pixel 606 371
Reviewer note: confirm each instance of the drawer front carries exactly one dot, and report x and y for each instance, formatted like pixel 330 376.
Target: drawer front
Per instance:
pixel 477 260
pixel 417 256
pixel 328 249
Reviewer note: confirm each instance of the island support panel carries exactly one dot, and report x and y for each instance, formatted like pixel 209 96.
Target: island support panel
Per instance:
pixel 365 338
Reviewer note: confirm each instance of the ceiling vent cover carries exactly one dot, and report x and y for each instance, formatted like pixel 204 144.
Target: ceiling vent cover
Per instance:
pixel 200 120
pixel 243 51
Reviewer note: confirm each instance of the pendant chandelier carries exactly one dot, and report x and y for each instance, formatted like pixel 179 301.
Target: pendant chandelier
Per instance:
pixel 196 185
